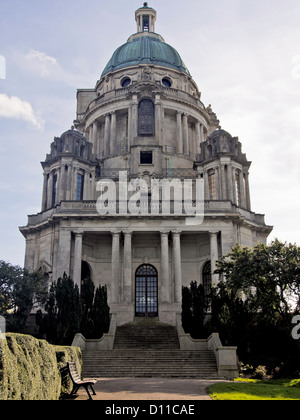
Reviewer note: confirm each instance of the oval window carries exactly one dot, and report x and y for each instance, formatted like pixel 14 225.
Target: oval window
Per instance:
pixel 166 82
pixel 126 82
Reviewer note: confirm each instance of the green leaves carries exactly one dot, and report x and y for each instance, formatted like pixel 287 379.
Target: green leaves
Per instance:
pixel 19 291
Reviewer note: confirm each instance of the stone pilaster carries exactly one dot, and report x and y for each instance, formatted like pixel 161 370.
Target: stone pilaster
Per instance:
pixel 177 266
pixel 165 270
pixel 77 259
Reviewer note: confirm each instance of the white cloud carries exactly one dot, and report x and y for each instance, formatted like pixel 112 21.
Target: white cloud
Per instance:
pixel 41 64
pixel 46 67
pixel 16 108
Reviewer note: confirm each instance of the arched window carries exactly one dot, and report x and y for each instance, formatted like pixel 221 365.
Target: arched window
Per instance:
pixel 146 291
pixel 146 125
pixel 206 276
pixel 85 271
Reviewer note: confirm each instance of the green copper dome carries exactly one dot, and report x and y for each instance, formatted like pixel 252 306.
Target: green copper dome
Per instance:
pixel 145 50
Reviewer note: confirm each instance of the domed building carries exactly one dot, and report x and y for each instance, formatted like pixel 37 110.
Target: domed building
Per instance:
pixel 143 125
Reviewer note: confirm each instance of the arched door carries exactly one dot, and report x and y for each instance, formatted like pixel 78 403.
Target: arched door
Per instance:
pixel 146 291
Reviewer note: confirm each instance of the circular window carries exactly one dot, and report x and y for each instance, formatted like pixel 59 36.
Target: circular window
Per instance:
pixel 126 82
pixel 166 82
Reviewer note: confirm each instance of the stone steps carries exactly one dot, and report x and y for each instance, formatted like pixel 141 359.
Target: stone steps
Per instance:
pixel 149 349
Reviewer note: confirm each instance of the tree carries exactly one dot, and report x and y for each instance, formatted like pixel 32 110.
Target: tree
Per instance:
pixel 20 290
pixel 69 313
pixel 100 312
pixel 268 277
pixel 194 308
pixel 258 293
pixel 64 312
pixel 87 301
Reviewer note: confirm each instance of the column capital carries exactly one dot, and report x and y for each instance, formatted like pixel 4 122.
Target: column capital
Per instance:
pixel 177 233
pixel 115 232
pixel 77 233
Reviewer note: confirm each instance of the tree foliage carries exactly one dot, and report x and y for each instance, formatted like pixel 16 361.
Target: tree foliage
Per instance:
pixel 68 312
pixel 20 290
pixel 194 308
pixel 256 298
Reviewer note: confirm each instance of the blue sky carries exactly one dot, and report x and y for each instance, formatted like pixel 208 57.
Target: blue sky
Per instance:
pixel 244 56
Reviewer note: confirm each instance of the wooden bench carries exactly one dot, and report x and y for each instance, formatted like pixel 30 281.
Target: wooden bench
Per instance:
pixel 77 382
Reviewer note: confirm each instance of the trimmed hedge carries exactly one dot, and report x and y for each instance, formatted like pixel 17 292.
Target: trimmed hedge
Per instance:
pixel 32 369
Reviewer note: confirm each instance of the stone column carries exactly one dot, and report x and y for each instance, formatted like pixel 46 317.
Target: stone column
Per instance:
pixel 94 138
pixel 62 183
pixel 107 135
pixel 214 255
pixel 165 270
pixel 247 191
pixel 177 266
pixel 45 187
pixel 86 185
pixel 50 189
pixel 223 183
pixel 217 174
pixel 128 267
pixel 179 133
pixel 77 259
pixel 234 189
pixel 113 134
pixel 115 267
pixel 69 182
pixel 230 183
pixel 198 138
pixel 242 189
pixel 158 119
pixel 186 149
pixel 74 182
pixel 133 120
pixel 202 133
pixel 58 175
pixel 206 186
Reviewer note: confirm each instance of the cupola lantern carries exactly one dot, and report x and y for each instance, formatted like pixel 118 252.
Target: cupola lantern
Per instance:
pixel 145 18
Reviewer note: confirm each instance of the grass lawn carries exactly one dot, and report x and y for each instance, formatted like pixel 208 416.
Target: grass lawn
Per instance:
pixel 254 389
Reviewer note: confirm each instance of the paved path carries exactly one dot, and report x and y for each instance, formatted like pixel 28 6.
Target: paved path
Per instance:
pixel 118 389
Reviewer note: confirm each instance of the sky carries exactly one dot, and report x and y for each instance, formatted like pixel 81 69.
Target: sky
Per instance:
pixel 244 56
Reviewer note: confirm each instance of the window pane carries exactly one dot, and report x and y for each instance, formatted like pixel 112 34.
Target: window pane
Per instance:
pixel 212 186
pixel 146 158
pixel 79 191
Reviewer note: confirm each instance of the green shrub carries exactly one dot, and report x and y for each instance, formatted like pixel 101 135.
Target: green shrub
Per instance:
pixel 64 355
pixel 30 369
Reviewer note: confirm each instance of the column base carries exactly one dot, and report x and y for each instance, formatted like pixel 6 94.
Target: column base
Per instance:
pixel 167 313
pixel 124 311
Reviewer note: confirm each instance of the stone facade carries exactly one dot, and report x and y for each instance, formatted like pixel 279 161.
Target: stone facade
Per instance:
pixel 145 118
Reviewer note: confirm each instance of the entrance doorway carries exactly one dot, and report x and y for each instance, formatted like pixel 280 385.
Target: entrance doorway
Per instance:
pixel 146 291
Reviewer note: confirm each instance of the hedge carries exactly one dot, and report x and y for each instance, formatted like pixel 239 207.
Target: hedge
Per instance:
pixel 32 369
